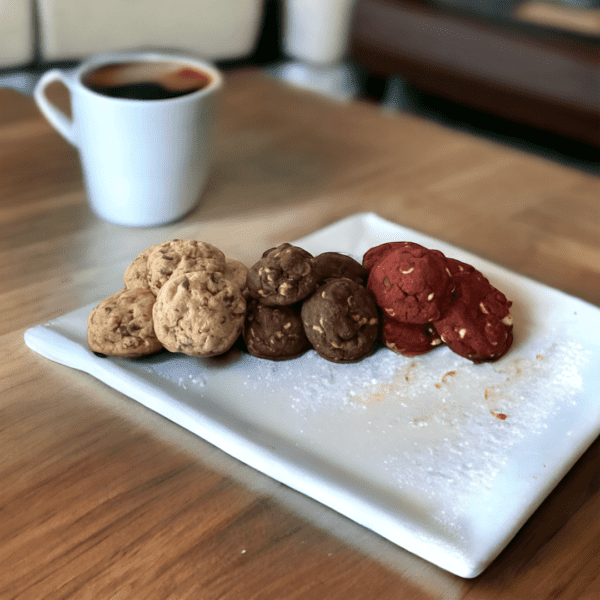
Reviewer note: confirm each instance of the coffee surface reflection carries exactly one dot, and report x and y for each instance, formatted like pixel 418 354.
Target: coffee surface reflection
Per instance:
pixel 148 80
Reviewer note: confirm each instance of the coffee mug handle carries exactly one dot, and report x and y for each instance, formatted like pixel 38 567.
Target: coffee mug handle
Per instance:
pixel 56 117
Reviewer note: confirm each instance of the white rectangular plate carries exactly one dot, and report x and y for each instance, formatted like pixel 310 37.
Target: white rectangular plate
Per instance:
pixel 411 448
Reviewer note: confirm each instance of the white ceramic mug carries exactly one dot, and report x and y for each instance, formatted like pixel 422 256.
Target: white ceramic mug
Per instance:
pixel 145 162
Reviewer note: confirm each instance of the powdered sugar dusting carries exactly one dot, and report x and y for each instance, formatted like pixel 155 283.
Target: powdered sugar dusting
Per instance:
pixel 443 428
pixel 488 412
pixel 179 369
pixel 434 428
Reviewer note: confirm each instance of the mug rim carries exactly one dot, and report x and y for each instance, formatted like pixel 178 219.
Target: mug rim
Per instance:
pixel 187 58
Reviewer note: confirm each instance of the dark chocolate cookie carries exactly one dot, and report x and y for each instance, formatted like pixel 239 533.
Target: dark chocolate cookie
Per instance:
pixel 283 276
pixel 341 321
pixel 274 332
pixel 333 265
pixel 478 324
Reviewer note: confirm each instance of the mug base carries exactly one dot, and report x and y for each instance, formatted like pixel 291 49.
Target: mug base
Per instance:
pixel 151 221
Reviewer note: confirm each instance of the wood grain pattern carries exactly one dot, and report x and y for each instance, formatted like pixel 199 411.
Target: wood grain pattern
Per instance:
pixel 100 498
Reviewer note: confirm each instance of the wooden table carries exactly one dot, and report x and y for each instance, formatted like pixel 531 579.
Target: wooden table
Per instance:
pixel 101 498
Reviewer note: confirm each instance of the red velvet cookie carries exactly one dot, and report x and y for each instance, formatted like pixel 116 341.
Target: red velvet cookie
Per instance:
pixel 478 324
pixel 375 255
pixel 412 284
pixel 456 267
pixel 410 339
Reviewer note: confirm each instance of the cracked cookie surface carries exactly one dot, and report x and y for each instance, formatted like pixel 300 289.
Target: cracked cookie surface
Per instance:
pixel 341 321
pixel 182 256
pixel 122 325
pixel 283 276
pixel 412 284
pixel 199 313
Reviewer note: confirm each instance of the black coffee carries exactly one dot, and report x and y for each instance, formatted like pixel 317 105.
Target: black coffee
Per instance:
pixel 149 80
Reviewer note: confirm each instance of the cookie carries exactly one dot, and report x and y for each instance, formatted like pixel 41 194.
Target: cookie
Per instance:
pixel 478 324
pixel 122 325
pixel 456 267
pixel 199 313
pixel 376 254
pixel 136 274
pixel 238 272
pixel 274 332
pixel 182 256
pixel 410 339
pixel 411 284
pixel 283 276
pixel 341 321
pixel 333 265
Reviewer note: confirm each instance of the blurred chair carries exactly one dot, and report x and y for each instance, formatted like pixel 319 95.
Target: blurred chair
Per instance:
pixel 46 31
pixel 224 29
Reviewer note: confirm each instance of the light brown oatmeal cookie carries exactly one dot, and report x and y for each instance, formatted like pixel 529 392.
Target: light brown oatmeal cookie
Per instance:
pixel 199 313
pixel 182 256
pixel 122 325
pixel 136 274
pixel 237 271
